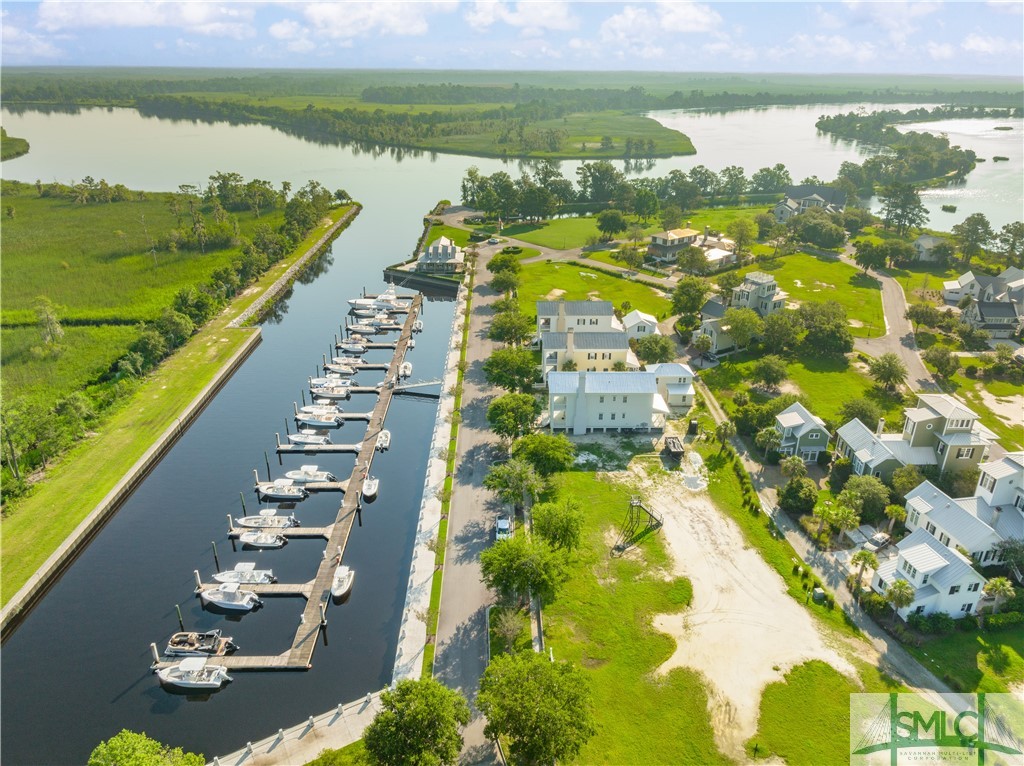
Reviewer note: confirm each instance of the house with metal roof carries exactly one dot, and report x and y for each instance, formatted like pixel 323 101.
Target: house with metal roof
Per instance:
pixel 802 433
pixel 758 292
pixel 925 246
pixel 1007 287
pixel 581 316
pixel 801 198
pixel 998 319
pixel 675 383
pixel 593 351
pixel 637 324
pixel 665 245
pixel 443 256
pixel 585 402
pixel 940 431
pixel 942 578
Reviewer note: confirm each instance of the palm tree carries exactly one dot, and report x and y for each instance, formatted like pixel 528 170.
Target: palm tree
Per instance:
pixel 793 467
pixel 702 344
pixel 999 588
pixel 843 518
pixel 823 513
pixel 725 431
pixel 863 559
pixel 900 595
pixel 895 513
pixel 768 439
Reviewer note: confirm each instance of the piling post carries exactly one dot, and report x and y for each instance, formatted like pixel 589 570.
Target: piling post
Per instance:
pixel 286 426
pixel 240 495
pixel 303 392
pixel 229 523
pixel 267 459
pixel 216 558
pixel 155 653
pixel 181 622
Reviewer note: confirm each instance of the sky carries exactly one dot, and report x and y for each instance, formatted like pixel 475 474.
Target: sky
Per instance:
pixel 976 38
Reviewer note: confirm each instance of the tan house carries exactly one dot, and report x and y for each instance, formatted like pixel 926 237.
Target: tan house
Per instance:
pixel 593 351
pixel 665 245
pixel 581 316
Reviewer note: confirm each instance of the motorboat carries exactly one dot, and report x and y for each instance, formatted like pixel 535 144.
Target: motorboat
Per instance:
pixel 352 346
pixel 405 369
pixel 330 393
pixel 348 359
pixel 417 326
pixel 318 409
pixel 246 573
pixel 412 343
pixel 385 300
pixel 331 381
pixel 365 311
pixel 262 538
pixel 194 673
pixel 370 486
pixel 341 585
pixel 339 370
pixel 318 417
pixel 382 319
pixel 228 595
pixel 310 473
pixel 383 440
pixel 268 519
pixel 284 490
pixel 359 327
pixel 309 436
pixel 192 644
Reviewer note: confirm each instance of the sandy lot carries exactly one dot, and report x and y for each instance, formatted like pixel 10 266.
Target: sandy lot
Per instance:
pixel 1006 408
pixel 743 630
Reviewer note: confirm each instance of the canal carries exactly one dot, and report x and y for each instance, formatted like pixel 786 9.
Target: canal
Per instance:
pixel 76 671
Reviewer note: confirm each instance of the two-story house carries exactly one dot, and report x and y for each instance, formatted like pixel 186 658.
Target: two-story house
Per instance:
pixel 593 351
pixel 675 383
pixel 939 431
pixel 924 247
pixel 443 257
pixel 584 402
pixel 758 291
pixel 998 319
pixel 581 316
pixel 1007 287
pixel 942 578
pixel 802 433
pixel 665 245
pixel 975 524
pixel 800 198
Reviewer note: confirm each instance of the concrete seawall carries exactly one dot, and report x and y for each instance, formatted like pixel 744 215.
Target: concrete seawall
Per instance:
pixel 37 585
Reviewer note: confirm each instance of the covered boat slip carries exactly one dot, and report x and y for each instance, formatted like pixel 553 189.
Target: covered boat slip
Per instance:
pixel 299 655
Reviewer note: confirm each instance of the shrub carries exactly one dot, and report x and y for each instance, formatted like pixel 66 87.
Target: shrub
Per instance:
pixel 1004 620
pixel 874 604
pixel 967 623
pixel 971 371
pixel 920 623
pixel 824 458
pixel 941 623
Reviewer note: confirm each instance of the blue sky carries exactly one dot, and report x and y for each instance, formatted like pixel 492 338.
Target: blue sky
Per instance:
pixel 853 36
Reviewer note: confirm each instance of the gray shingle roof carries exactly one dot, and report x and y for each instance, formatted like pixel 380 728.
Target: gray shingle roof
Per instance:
pixel 576 308
pixel 826 193
pixel 614 341
pixel 997 309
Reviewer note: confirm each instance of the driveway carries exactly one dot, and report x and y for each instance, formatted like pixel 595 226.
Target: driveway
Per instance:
pixel 461 652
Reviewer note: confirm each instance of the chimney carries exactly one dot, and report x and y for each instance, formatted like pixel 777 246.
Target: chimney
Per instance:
pixel 560 323
pixel 570 344
pixel 881 427
pixel 706 230
pixel 995 515
pixel 688 224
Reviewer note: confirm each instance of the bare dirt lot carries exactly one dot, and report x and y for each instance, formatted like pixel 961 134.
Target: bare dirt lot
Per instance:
pixel 743 630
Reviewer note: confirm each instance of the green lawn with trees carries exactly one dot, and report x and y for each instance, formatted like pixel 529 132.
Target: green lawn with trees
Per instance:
pixel 11 147
pixel 973 661
pixel 571 281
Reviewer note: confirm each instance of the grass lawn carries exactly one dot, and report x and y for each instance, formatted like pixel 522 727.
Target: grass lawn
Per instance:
pixel 586 131
pixel 605 256
pixel 826 382
pixel 350 755
pixel 459 236
pixel 564 233
pixel 811 278
pixel 11 147
pixel 602 621
pixel 540 280
pixel 39 522
pixel 975 661
pixel 819 734
pixel 922 283
pixel 1010 431
pixel 523 641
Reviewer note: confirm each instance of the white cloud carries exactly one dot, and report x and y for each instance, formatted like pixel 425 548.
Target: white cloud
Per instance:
pixel 990 46
pixel 832 46
pixel 531 17
pixel 295 36
pixel 360 19
pixel 1006 6
pixel 633 29
pixel 897 19
pixel 826 20
pixel 19 44
pixel 939 51
pixel 232 20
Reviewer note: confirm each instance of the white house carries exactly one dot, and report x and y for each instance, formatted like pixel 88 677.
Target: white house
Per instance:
pixel 637 324
pixel 802 433
pixel 718 258
pixel 581 316
pixel 943 579
pixel 675 383
pixel 800 198
pixel 1000 319
pixel 924 245
pixel 583 402
pixel 443 256
pixel 1008 287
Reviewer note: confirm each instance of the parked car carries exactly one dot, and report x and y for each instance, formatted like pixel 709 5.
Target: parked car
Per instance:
pixel 503 527
pixel 709 356
pixel 878 541
pixel 493 241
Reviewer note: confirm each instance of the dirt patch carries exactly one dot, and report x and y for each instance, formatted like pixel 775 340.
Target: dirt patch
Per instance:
pixel 825 285
pixel 798 283
pixel 1006 408
pixel 743 630
pixel 792 305
pixel 554 295
pixel 855 323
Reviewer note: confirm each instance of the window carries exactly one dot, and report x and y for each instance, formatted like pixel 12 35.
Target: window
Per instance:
pixel 987 482
pixel 591 355
pixel 944 539
pixel 606 355
pixel 973 587
pixel 909 568
pixel 930 527
pixel 600 416
pixel 581 321
pixel 613 416
pixel 966 608
pixel 964 452
pixel 623 415
pixel 941 449
pixel 919 609
pixel 595 321
pixel 1018 501
pixel 960 423
pixel 954 590
pixel 813 436
pixel 624 399
pixel 913 516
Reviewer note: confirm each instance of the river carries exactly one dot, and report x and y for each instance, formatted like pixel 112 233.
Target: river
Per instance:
pixel 75 672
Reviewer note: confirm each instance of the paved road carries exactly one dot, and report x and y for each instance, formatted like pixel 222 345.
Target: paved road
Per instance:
pixel 461 630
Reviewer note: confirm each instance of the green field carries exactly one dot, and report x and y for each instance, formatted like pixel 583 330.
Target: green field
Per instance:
pixel 586 131
pixel 604 256
pixel 11 147
pixel 602 621
pixel 1010 430
pixel 38 523
pixel 544 280
pixel 812 278
pixel 975 662
pixel 564 233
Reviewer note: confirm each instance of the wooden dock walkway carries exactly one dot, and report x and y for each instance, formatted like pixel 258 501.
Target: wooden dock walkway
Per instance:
pixel 267 589
pixel 288 532
pixel 312 449
pixel 318 591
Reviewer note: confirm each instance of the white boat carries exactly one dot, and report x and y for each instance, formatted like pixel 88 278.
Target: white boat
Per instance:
pixel 383 440
pixel 340 370
pixel 347 360
pixel 318 409
pixel 405 369
pixel 365 311
pixel 417 326
pixel 284 490
pixel 268 519
pixel 367 329
pixel 193 644
pixel 330 393
pixel 331 381
pixel 412 343
pixel 194 673
pixel 342 582
pixel 229 596
pixel 318 420
pixel 246 573
pixel 261 538
pixel 310 473
pixel 352 346
pixel 384 300
pixel 309 436
pixel 370 486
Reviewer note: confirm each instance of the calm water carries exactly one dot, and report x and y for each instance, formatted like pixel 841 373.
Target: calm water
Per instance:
pixel 76 671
